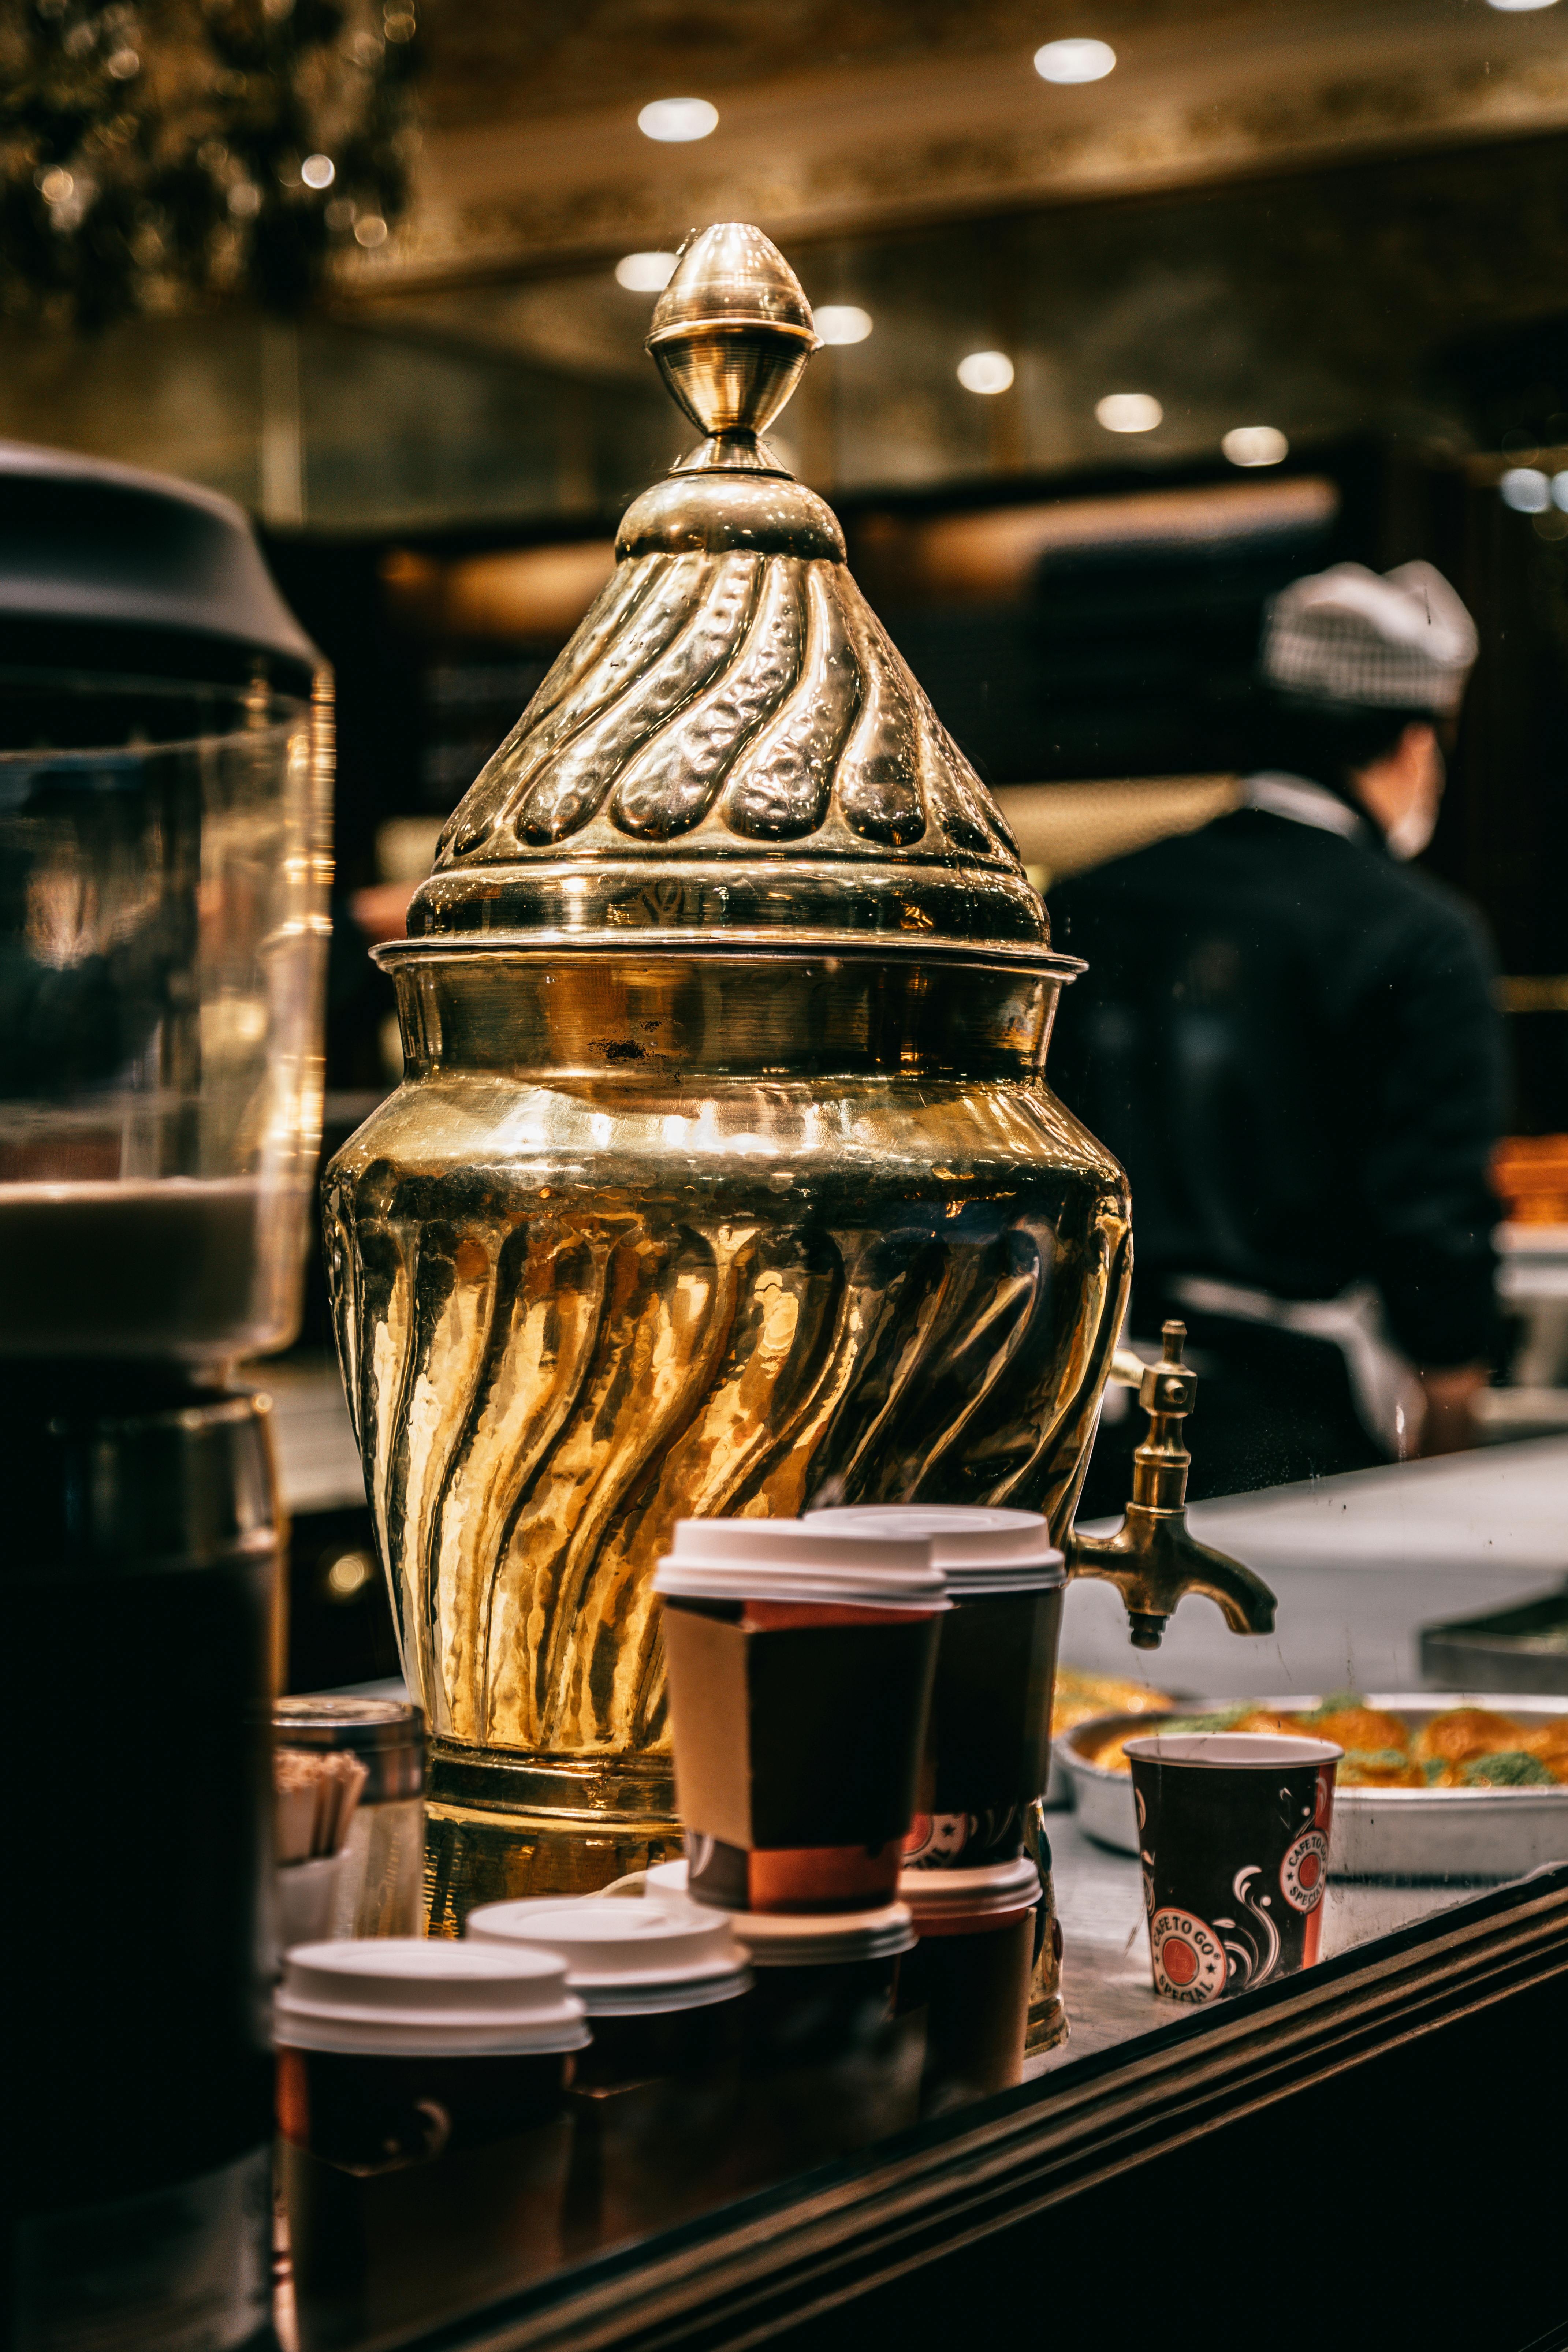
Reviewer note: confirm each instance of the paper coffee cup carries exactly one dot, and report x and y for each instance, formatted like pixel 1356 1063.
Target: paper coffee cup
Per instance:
pixel 831 2063
pixel 424 2133
pixel 800 1670
pixel 1233 1832
pixel 970 1971
pixel 655 2099
pixel 988 1751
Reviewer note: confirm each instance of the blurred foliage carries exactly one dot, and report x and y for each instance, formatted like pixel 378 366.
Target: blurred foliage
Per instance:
pixel 156 150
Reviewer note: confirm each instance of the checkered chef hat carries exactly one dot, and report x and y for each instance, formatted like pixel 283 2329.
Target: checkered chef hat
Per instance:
pixel 1402 640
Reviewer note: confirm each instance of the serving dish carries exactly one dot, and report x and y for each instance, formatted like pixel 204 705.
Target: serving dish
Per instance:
pixel 1075 1698
pixel 1477 1834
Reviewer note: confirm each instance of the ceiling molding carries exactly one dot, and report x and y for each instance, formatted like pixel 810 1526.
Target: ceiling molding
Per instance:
pixel 866 147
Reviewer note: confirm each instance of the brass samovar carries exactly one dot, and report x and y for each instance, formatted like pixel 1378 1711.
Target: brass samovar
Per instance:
pixel 723 1177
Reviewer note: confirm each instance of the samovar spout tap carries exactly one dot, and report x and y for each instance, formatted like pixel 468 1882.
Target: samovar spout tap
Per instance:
pixel 1154 1558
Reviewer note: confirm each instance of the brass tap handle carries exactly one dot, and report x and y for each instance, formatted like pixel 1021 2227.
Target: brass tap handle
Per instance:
pixel 1154 1558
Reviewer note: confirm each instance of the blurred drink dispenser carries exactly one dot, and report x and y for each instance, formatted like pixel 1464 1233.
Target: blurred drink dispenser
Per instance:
pixel 165 859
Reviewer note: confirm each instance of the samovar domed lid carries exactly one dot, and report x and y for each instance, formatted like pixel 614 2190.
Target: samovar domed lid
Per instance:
pixel 729 752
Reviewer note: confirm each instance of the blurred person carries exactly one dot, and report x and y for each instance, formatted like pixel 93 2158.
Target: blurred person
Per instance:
pixel 1290 1040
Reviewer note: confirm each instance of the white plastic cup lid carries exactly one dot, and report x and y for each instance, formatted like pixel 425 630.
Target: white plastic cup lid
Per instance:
pixel 410 1996
pixel 795 1940
pixel 998 1887
pixel 796 1560
pixel 1259 1750
pixel 624 1959
pixel 979 1550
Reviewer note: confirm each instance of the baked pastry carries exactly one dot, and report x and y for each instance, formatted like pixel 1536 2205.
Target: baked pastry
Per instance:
pixel 1463 1732
pixel 1357 1729
pixel 1077 1699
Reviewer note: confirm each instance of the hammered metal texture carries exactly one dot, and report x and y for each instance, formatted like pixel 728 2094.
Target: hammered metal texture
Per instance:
pixel 752 697
pixel 575 1308
pixel 731 703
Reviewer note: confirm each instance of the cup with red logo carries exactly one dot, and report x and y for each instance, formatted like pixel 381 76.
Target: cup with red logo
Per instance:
pixel 1233 1832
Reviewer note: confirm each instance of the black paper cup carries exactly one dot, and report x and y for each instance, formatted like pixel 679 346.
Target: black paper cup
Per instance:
pixel 1233 1832
pixel 424 2132
pixel 988 1733
pixel 831 2065
pixel 653 2101
pixel 970 1971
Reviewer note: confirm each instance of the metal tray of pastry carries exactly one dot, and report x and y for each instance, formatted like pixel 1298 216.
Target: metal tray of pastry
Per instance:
pixel 1473 1834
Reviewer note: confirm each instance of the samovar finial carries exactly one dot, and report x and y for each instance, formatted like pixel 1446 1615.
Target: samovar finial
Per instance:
pixel 731 335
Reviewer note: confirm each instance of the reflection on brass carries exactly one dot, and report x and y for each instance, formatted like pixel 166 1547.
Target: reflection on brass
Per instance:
pixel 1535 993
pixel 731 334
pixel 723 1178
pixel 1046 2027
pixel 1154 1558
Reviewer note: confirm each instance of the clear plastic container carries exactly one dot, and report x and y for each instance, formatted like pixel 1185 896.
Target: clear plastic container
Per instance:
pixel 380 1888
pixel 164 867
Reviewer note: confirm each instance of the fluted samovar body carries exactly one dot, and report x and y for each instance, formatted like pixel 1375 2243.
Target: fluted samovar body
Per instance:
pixel 723 1176
pixel 644 1238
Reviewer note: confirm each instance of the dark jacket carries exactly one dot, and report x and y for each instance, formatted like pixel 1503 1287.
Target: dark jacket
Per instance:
pixel 1291 1042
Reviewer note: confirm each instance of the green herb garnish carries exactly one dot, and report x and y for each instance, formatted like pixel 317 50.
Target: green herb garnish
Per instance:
pixel 1512 1768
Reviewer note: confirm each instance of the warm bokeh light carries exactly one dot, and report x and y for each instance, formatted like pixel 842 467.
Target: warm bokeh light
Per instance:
pixel 645 273
pixel 1255 445
pixel 842 322
pixel 318 170
pixel 674 120
pixel 1074 60
pixel 1128 412
pixel 985 372
pixel 349 1574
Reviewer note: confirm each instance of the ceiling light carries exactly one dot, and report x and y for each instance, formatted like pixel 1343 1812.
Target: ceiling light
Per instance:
pixel 1255 445
pixel 1518 7
pixel 1128 412
pixel 674 120
pixel 318 170
pixel 842 322
pixel 645 273
pixel 1526 490
pixel 985 372
pixel 1092 61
